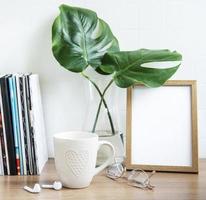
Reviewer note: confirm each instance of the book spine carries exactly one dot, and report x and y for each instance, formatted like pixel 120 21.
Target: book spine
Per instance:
pixel 16 142
pixel 7 155
pixel 33 156
pixel 21 124
pixel 38 123
pixel 4 163
pixel 23 113
pixel 33 134
pixel 9 133
pixel 1 159
pixel 27 124
pixel 2 146
pixel 18 126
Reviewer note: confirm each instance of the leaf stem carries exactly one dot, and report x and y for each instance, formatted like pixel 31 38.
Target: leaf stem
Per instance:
pixel 99 107
pixel 100 103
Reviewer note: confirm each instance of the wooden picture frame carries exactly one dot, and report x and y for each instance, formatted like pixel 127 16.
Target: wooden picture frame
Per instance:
pixel 163 153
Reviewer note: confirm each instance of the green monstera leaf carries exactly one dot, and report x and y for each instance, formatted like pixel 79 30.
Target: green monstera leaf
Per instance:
pixel 127 69
pixel 80 39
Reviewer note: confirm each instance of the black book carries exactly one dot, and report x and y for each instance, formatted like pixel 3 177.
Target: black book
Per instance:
pixel 24 121
pixel 31 126
pixel 31 145
pixel 27 128
pixel 6 106
pixel 3 150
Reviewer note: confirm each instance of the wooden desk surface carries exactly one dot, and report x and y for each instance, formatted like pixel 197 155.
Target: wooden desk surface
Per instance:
pixel 171 186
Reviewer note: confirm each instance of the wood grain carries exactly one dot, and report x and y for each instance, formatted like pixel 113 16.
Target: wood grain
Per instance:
pixel 169 186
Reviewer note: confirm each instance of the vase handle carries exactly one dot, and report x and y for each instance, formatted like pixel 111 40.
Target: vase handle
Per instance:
pixel 109 159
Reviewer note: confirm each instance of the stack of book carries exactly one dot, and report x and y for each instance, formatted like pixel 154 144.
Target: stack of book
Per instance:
pixel 23 148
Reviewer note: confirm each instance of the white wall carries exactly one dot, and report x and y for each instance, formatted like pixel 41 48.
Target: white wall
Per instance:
pixel 25 46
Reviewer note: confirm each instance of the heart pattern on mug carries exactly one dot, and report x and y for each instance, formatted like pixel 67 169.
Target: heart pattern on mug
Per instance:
pixel 77 161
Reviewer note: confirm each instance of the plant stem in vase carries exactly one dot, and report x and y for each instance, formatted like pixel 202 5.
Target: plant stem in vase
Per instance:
pixel 100 104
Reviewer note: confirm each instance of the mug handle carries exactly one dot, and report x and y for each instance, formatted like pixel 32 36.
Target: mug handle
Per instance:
pixel 107 162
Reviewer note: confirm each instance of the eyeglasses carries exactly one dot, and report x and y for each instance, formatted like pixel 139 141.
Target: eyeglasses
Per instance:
pixel 136 178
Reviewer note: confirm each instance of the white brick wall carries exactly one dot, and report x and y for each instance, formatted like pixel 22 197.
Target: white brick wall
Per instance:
pixel 26 46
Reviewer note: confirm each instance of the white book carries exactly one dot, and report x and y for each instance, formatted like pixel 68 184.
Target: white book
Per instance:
pixel 38 123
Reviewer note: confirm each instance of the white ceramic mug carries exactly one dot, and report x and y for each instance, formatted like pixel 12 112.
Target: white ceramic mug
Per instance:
pixel 75 156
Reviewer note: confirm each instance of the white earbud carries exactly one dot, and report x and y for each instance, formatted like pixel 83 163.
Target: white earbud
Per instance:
pixel 36 188
pixel 57 185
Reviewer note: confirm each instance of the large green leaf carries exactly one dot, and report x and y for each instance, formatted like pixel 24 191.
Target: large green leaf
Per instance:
pixel 127 69
pixel 80 38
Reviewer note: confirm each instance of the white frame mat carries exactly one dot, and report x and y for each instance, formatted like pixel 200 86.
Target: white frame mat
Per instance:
pixel 162 127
